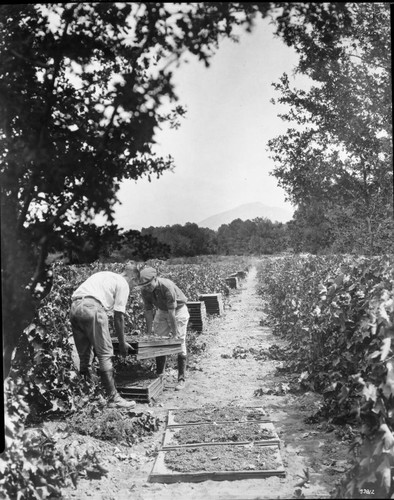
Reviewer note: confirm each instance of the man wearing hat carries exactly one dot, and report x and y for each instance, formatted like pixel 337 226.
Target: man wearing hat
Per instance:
pixel 102 294
pixel 171 316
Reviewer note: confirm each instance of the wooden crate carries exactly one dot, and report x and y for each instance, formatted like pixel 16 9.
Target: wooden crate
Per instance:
pixel 198 315
pixel 213 303
pixel 171 442
pixel 161 473
pixel 141 390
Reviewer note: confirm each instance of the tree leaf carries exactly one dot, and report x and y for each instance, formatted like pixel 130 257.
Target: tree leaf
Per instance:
pixel 369 392
pixel 385 349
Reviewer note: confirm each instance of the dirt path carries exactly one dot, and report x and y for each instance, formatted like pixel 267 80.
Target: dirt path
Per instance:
pixel 228 380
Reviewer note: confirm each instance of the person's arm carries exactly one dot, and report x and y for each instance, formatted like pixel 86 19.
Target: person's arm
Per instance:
pixel 119 329
pixel 174 326
pixel 149 321
pixel 170 295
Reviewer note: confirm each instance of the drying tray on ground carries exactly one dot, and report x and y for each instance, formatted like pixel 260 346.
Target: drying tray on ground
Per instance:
pixel 220 463
pixel 210 414
pixel 220 433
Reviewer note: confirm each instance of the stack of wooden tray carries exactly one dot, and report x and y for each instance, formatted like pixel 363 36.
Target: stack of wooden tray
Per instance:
pixel 213 303
pixel 198 315
pixel 232 281
pixel 152 346
pixel 143 390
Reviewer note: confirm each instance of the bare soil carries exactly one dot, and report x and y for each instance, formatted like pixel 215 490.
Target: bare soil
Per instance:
pixel 226 380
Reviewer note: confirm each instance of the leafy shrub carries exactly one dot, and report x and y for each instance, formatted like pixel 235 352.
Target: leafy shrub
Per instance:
pixel 113 425
pixel 337 313
pixel 31 465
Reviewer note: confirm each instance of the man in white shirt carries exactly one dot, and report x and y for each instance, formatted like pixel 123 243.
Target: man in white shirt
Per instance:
pixel 102 294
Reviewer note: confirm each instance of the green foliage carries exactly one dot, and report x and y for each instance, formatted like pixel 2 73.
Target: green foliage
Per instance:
pixel 83 243
pixel 337 313
pixel 113 425
pixel 197 279
pixel 185 241
pixel 259 236
pixel 195 346
pixel 135 245
pixel 250 237
pixel 310 230
pixel 31 465
pixel 193 282
pixel 335 160
pixel 48 376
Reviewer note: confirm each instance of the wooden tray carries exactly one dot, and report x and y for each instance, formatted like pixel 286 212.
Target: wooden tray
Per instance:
pixel 152 346
pixel 161 473
pixel 154 340
pixel 152 352
pixel 170 441
pixel 247 410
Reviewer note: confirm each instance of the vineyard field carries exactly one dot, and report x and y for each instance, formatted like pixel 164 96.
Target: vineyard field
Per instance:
pixel 305 340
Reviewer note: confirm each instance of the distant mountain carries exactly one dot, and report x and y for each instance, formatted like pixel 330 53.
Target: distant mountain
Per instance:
pixel 248 211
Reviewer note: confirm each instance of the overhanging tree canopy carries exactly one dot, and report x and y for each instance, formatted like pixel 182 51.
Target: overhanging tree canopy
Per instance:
pixel 338 154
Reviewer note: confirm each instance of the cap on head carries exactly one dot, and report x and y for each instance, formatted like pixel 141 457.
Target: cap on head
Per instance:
pixel 146 275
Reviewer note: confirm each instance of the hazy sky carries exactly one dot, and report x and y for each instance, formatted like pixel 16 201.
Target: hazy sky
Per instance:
pixel 220 150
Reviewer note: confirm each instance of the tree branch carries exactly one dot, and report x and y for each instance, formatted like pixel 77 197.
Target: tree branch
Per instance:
pixel 30 61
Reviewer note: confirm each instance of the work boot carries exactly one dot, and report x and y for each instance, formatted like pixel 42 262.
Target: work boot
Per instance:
pixel 118 402
pixel 114 398
pixel 160 365
pixel 180 385
pixel 181 372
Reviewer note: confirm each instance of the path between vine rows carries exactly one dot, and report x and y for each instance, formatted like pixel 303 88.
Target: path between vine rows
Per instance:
pixel 221 381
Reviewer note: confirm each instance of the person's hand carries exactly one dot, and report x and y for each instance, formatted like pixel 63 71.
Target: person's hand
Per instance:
pixel 124 348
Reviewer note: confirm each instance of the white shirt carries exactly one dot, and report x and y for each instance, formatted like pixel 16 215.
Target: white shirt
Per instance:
pixel 111 289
